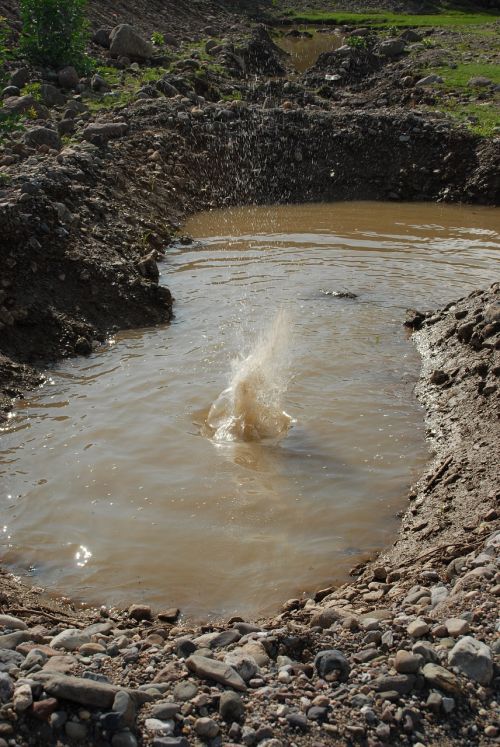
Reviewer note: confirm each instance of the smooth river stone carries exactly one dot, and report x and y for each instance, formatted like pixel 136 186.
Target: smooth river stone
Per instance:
pixel 77 689
pixel 12 623
pixel 70 639
pixel 215 670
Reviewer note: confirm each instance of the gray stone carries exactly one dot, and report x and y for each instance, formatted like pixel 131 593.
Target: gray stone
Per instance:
pixel 10 659
pixel 23 698
pixel 332 665
pixel 184 647
pixel 231 707
pixel 23 105
pixel 126 42
pixel 165 710
pixel 418 628
pixel 19 77
pixel 124 738
pixel 157 726
pixel 457 627
pixel 12 623
pixel 99 84
pixel 66 127
pixel 10 641
pixel 100 132
pixel 407 663
pixel 206 728
pixel 70 639
pixel 184 691
pixel 216 670
pixel 429 80
pixel 438 594
pixel 52 96
pixel 324 618
pixel 426 651
pixel 440 678
pixel 101 37
pixel 170 742
pixel 399 683
pixel 473 658
pixel 77 689
pixel 43 136
pixel 480 81
pixel 244 664
pixel 391 47
pixel 68 77
pixel 35 657
pixel 125 706
pixel 6 687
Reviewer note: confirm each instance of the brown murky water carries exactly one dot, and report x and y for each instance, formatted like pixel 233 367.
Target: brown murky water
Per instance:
pixel 114 490
pixel 304 50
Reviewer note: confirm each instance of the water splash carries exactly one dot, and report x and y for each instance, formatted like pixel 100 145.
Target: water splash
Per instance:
pixel 251 408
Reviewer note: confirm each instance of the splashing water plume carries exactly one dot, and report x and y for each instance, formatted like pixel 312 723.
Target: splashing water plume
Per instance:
pixel 251 408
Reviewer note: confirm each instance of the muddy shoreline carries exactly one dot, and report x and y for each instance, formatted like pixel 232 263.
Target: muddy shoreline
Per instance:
pixel 83 227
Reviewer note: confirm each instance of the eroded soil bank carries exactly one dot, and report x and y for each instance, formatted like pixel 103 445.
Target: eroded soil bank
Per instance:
pixel 404 653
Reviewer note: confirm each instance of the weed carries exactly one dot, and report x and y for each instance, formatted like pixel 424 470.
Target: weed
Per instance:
pixel 34 90
pixel 8 124
pixel 158 39
pixel 357 42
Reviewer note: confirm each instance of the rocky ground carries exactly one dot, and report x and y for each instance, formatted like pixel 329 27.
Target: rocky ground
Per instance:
pixel 94 185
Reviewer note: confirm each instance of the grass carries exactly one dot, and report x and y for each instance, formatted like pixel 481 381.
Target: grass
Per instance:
pixel 483 119
pixel 460 76
pixel 448 19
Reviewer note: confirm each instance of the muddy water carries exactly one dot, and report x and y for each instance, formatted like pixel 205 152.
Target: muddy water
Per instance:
pixel 305 50
pixel 113 489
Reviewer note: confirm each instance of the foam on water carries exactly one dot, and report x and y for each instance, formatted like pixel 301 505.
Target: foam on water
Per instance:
pixel 251 408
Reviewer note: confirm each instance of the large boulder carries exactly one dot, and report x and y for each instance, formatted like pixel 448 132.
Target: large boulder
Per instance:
pixel 99 133
pixel 52 96
pixel 43 136
pixel 68 77
pixel 23 105
pixel 391 47
pixel 126 42
pixel 473 658
pixel 101 38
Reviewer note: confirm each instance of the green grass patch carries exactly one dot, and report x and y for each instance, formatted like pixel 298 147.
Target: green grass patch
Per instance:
pixel 460 76
pixel 483 120
pixel 448 19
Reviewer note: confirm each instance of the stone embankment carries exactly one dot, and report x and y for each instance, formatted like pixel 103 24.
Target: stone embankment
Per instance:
pixel 403 654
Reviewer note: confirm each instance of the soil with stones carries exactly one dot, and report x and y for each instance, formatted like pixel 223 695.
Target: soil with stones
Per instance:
pixel 91 196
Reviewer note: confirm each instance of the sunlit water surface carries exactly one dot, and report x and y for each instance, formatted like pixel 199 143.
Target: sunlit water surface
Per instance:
pixel 112 490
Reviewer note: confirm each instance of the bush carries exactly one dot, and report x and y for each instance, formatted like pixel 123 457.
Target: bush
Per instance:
pixel 357 42
pixel 55 32
pixel 158 39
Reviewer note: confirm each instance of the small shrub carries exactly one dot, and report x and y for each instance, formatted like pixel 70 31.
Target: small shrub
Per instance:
pixel 357 42
pixel 55 32
pixel 158 39
pixel 9 124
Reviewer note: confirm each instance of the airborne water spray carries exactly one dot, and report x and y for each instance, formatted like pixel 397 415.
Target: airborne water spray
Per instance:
pixel 251 408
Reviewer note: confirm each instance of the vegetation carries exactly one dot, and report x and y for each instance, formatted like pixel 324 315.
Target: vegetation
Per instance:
pixel 448 19
pixel 357 42
pixel 158 39
pixel 55 32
